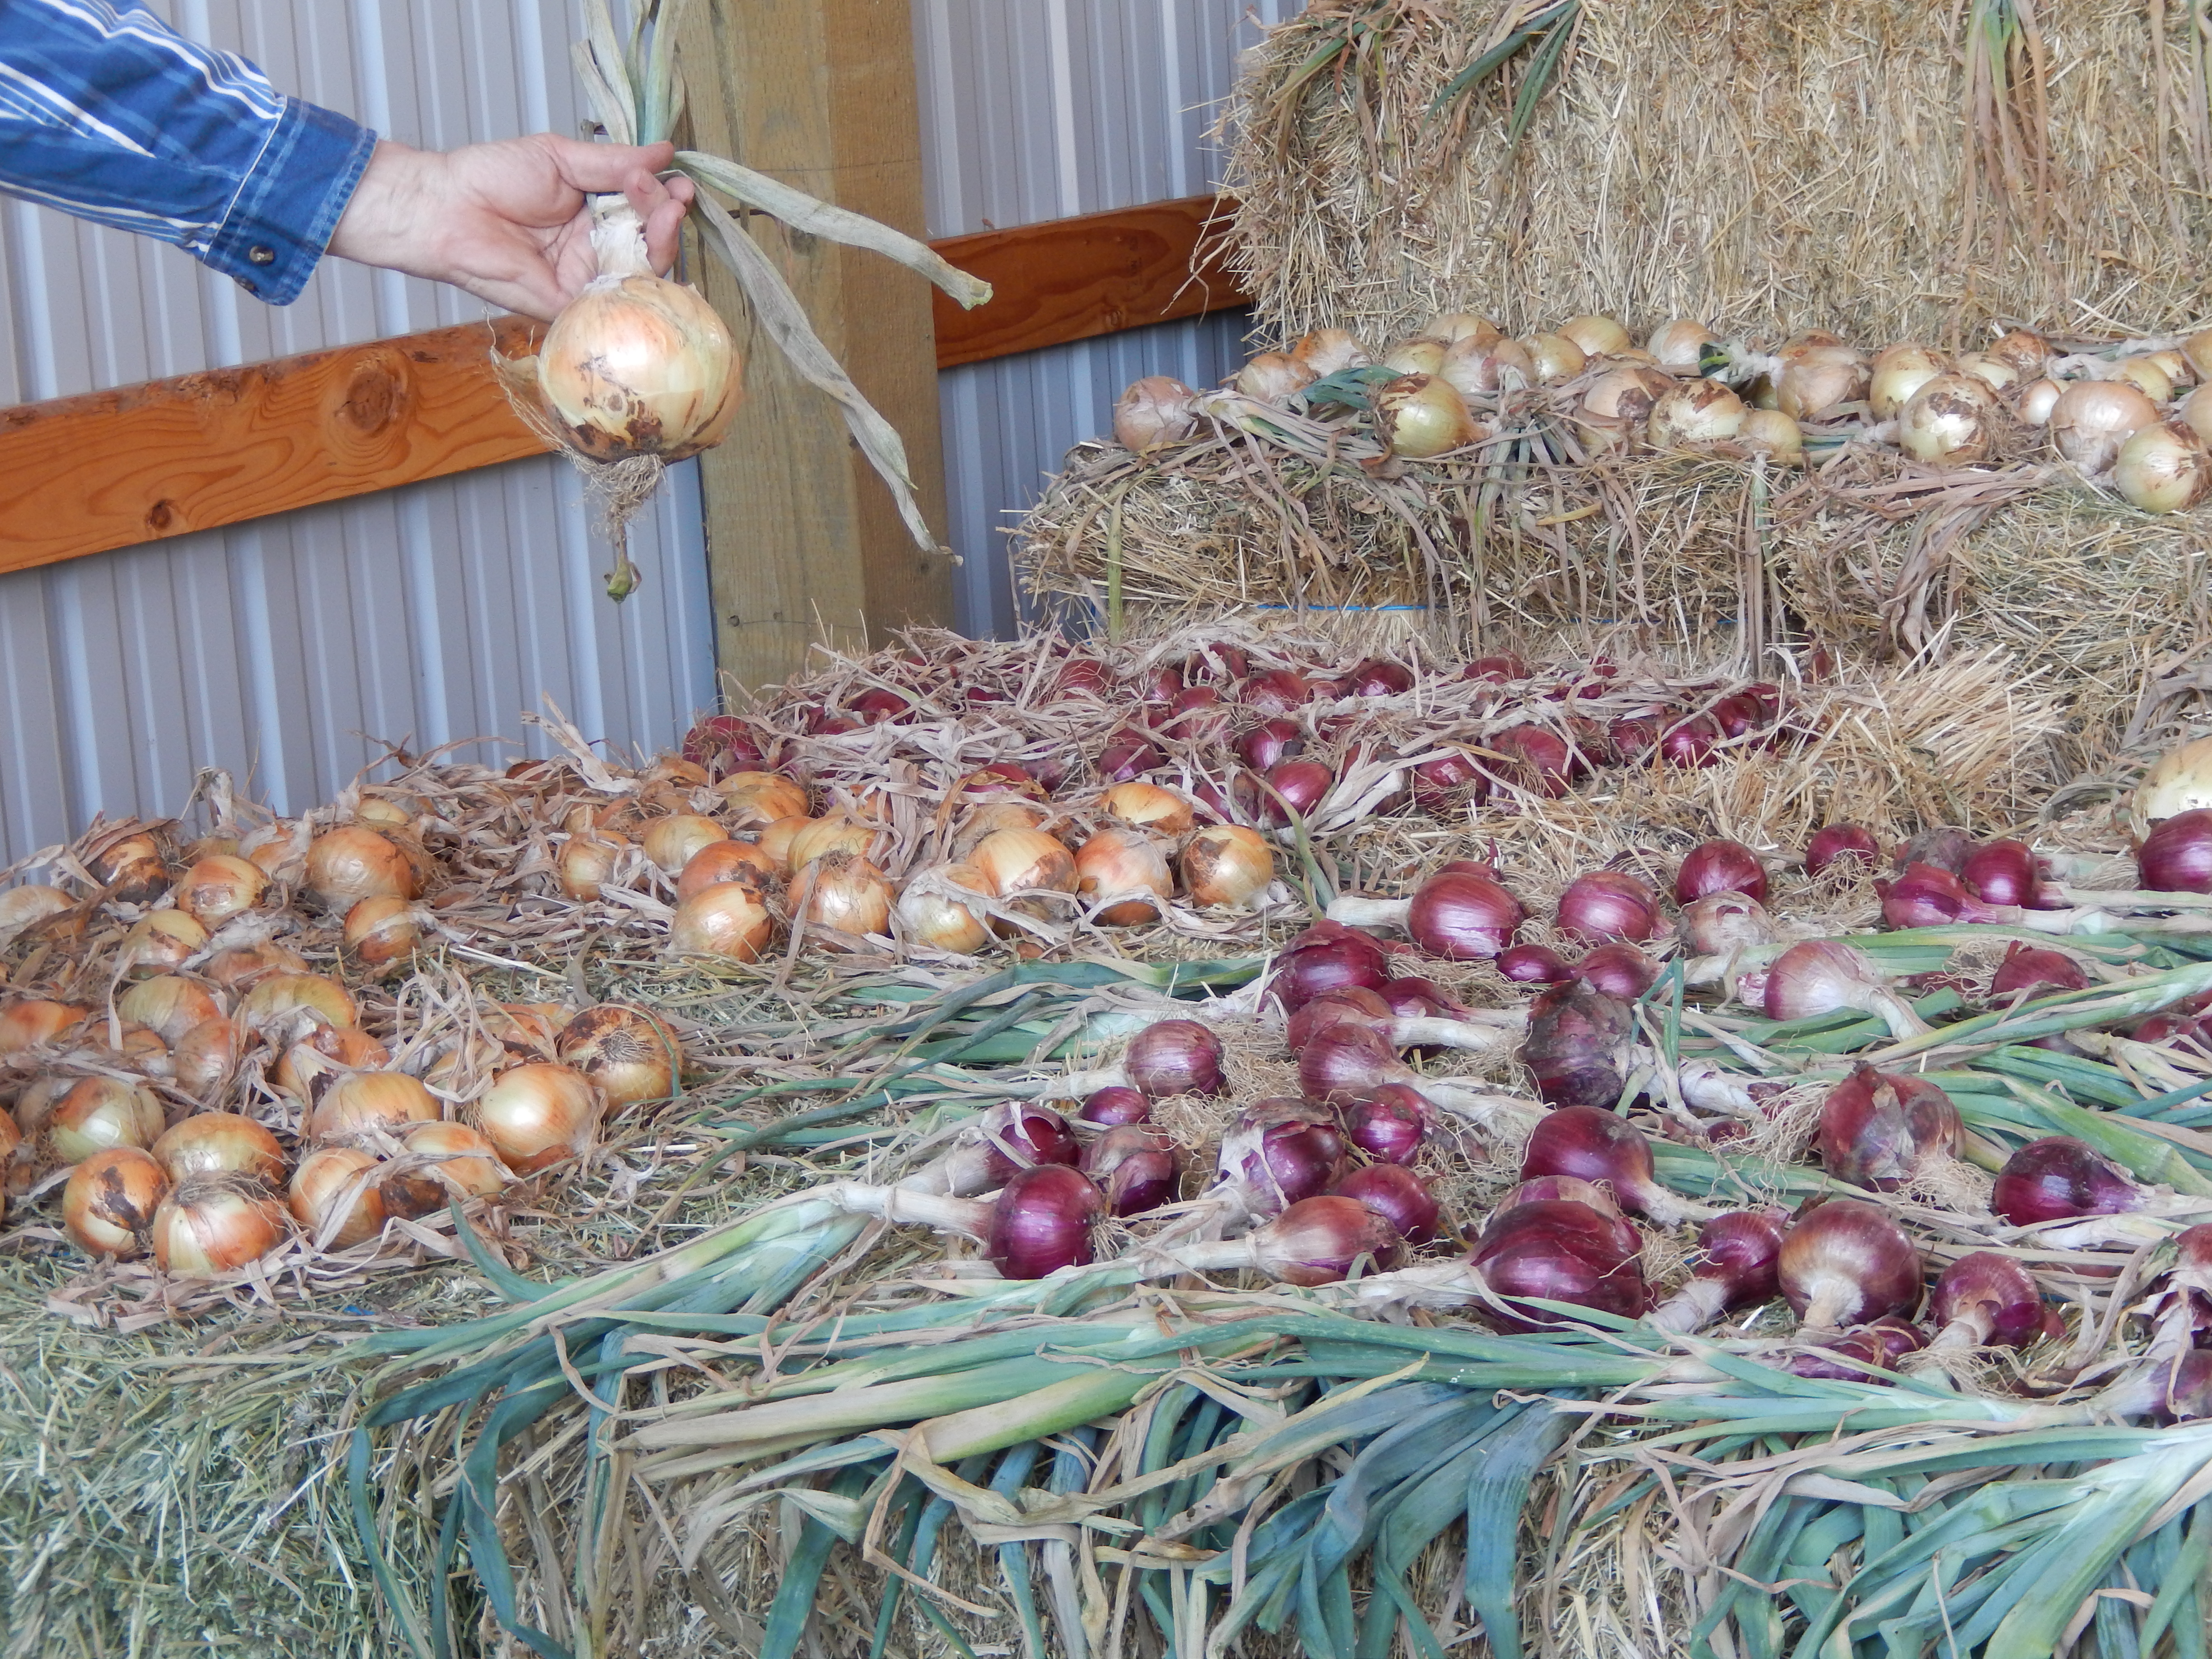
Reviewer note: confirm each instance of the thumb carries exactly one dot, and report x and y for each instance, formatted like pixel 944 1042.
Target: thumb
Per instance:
pixel 602 169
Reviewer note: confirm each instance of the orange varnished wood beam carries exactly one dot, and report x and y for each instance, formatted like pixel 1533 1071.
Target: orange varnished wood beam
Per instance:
pixel 116 469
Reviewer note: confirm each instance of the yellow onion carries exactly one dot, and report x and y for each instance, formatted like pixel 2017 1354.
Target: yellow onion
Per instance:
pixel 109 1202
pixel 2093 418
pixel 2025 349
pixel 350 864
pixel 35 1021
pixel 278 850
pixel 588 861
pixel 537 1115
pixel 160 941
pixel 774 840
pixel 1274 377
pixel 726 860
pixel 1695 411
pixel 215 890
pixel 992 817
pixel 631 1055
pixel 1413 356
pixel 2164 468
pixel 636 364
pixel 1897 373
pixel 310 1066
pixel 2176 366
pixel 753 800
pixel 205 1056
pixel 135 1046
pixel 1024 860
pixel 99 1112
pixel 670 842
pixel 34 1106
pixel 28 905
pixel 849 894
pixel 1817 378
pixel 726 920
pixel 2179 780
pixel 1680 345
pixel 526 1030
pixel 11 1142
pixel 1556 357
pixel 284 997
pixel 467 1164
pixel 1148 806
pixel 220 1143
pixel 245 966
pixel 2196 412
pixel 1227 864
pixel 1326 351
pixel 2146 374
pixel 131 869
pixel 1998 373
pixel 668 768
pixel 1598 337
pixel 1945 422
pixel 1128 867
pixel 1419 416
pixel 380 934
pixel 1453 326
pixel 168 1005
pixel 1618 406
pixel 2035 401
pixel 930 912
pixel 371 1100
pixel 335 1196
pixel 1156 410
pixel 375 810
pixel 837 834
pixel 1487 370
pixel 214 1224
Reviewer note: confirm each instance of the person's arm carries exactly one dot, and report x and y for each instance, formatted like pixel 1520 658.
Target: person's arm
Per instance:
pixel 110 116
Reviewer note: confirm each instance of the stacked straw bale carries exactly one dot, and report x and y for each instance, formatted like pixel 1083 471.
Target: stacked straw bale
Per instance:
pixel 1765 166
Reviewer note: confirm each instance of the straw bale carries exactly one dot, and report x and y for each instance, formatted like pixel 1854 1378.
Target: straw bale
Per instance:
pixel 1762 166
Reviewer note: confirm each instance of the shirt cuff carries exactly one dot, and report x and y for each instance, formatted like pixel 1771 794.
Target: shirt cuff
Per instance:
pixel 290 204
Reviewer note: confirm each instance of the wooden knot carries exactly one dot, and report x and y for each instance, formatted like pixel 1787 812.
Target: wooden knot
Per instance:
pixel 372 395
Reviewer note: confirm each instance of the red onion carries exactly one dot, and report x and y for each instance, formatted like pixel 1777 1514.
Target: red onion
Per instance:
pixel 1545 1189
pixel 1486 868
pixel 1577 1045
pixel 1199 717
pixel 1720 866
pixel 1043 1221
pixel 1839 843
pixel 1463 917
pixel 1325 955
pixel 1397 1195
pixel 1737 1265
pixel 1822 976
pixel 2171 1025
pixel 1001 779
pixel 1721 923
pixel 1619 969
pixel 1413 998
pixel 1271 743
pixel 1114 1105
pixel 1303 784
pixel 1985 1300
pixel 1127 756
pixel 2000 872
pixel 1377 678
pixel 1217 662
pixel 2176 857
pixel 1175 1057
pixel 1558 1251
pixel 1847 1262
pixel 833 726
pixel 2058 1178
pixel 1925 896
pixel 1083 676
pixel 1277 1153
pixel 1160 684
pixel 1942 849
pixel 1389 1124
pixel 1274 691
pixel 1346 1005
pixel 1498 670
pixel 1316 1241
pixel 1603 1147
pixel 724 743
pixel 1878 1127
pixel 877 704
pixel 2030 970
pixel 1534 964
pixel 1876 1346
pixel 1633 739
pixel 1542 760
pixel 1136 1164
pixel 1690 742
pixel 1346 1060
pixel 1592 743
pixel 1010 1136
pixel 1607 905
pixel 1447 780
pixel 1737 713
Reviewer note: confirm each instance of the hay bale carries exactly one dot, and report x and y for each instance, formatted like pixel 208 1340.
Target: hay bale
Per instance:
pixel 1762 165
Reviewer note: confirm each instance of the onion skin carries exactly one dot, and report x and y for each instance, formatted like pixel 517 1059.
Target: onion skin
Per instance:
pixel 1560 1251
pixel 1847 1262
pixel 1319 1240
pixel 1619 969
pixel 1463 917
pixel 2032 971
pixel 1227 865
pixel 1985 1300
pixel 2176 856
pixel 1114 1105
pixel 367 1100
pixel 1279 1152
pixel 159 942
pixel 1353 1004
pixel 1603 1148
pixel 109 1201
pixel 351 863
pixel 631 1055
pixel 1325 955
pixel 1841 844
pixel 539 1115
pixel 1448 781
pixel 99 1114
pixel 1116 862
pixel 1720 866
pixel 1534 964
pixel 1398 1196
pixel 1575 1045
pixel 317 1189
pixel 725 919
pixel 212 1225
pixel 220 1143
pixel 1010 1136
pixel 1044 1220
pixel 1419 416
pixel 1154 411
pixel 2059 1178
pixel 1540 760
pixel 1136 1166
pixel 1877 1128
pixel 215 890
pixel 2092 420
pixel 1175 1057
pixel 1604 905
pixel 167 1005
pixel 1389 1124
pixel 1722 922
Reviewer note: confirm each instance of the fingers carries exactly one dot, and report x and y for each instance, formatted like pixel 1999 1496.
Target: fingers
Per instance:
pixel 599 169
pixel 662 208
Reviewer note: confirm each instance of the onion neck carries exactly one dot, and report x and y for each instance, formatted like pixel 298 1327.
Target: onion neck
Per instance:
pixel 1896 1013
pixel 1693 1307
pixel 1484 1035
pixel 1824 1311
pixel 902 1205
pixel 1354 912
pixel 1484 1109
pixel 1438 1286
pixel 618 238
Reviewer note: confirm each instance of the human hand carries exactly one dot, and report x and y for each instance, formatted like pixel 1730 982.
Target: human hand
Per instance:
pixel 507 221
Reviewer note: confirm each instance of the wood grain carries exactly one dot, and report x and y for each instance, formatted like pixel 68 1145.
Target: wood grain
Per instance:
pixel 114 468
pixel 1073 279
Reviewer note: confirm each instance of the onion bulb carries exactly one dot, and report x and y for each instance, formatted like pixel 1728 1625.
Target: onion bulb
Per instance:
pixel 101 1112
pixel 1326 351
pixel 636 364
pixel 932 913
pixel 1228 865
pixel 109 1202
pixel 350 864
pixel 537 1115
pixel 1878 1130
pixel 2035 401
pixel 1147 806
pixel 1272 377
pixel 327 1053
pixel 1604 1148
pixel 727 860
pixel 1696 411
pixel 1453 326
pixel 1846 1262
pixel 2146 374
pixel 1136 1165
pixel 282 998
pixel 159 941
pixel 1996 372
pixel 2024 348
pixel 726 920
pixel 1125 874
pixel 205 1056
pixel 588 861
pixel 1771 432
pixel 1606 905
pixel 215 890
pixel 1985 1300
pixel 28 905
pixel 1817 380
pixel 2179 780
pixel 167 1005
pixel 848 895
pixel 213 1223
pixel 335 1196
pixel 2176 856
pixel 835 833
pixel 464 1165
pixel 1945 422
pixel 220 1143
pixel 753 800
pixel 775 839
pixel 632 1056
pixel 2196 412
pixel 1485 371
pixel 2164 468
pixel 380 934
pixel 131 869
pixel 1557 358
pixel 1418 415
pixel 1618 405
pixel 1024 861
pixel 1680 345
pixel 371 1100
pixel 1735 1266
pixel 2091 420
pixel 1898 371
pixel 1598 337
pixel 1156 410
pixel 1414 356
pixel 670 842
pixel 1043 1221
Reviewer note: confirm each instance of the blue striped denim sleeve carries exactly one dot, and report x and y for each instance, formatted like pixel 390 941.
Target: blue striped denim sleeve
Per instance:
pixel 110 115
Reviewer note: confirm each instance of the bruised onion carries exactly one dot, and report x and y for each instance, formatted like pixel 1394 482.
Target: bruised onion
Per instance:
pixel 1846 1262
pixel 1925 896
pixel 537 1115
pixel 1024 860
pixel 1879 1129
pixel 1697 411
pixel 461 1164
pixel 1946 422
pixel 1397 1195
pixel 1175 1057
pixel 1898 371
pixel 1355 1004
pixel 212 1223
pixel 1719 867
pixel 215 890
pixel 159 941
pixel 1985 1300
pixel 1135 1165
pixel 1044 1220
pixel 726 860
pixel 380 934
pixel 1228 865
pixel 1604 905
pixel 1326 351
pixel 632 1055
pixel 1271 743
pixel 1600 1146
pixel 1724 922
pixel 1737 1265
pixel 110 1199
pixel 205 1056
pixel 282 999
pixel 1445 781
pixel 1575 1045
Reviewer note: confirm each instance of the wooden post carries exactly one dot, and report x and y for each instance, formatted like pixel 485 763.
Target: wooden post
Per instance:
pixel 804 542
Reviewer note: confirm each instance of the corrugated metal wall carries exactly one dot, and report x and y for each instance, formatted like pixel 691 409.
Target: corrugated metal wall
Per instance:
pixel 279 649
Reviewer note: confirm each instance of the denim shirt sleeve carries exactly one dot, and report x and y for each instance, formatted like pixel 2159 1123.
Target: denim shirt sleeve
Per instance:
pixel 110 115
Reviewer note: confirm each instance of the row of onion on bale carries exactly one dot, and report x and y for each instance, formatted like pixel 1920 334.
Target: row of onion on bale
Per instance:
pixel 2131 417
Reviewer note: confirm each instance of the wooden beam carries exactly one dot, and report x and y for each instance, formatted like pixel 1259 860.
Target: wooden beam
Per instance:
pixel 114 469
pixel 1073 279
